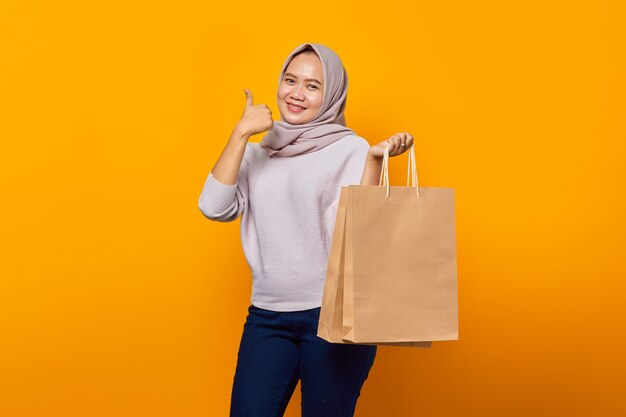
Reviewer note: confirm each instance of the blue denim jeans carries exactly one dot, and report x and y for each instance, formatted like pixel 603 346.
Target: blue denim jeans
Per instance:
pixel 279 348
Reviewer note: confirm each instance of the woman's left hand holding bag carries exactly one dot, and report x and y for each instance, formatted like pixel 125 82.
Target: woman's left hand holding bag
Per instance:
pixel 398 144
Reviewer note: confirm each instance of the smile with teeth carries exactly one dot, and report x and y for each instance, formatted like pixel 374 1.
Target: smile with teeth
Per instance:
pixel 295 108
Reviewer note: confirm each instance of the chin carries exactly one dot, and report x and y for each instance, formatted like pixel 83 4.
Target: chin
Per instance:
pixel 296 120
pixel 299 122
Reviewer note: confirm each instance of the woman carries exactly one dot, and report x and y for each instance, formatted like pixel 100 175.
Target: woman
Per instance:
pixel 286 190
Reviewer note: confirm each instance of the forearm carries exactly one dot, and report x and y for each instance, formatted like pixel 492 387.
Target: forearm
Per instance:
pixel 371 172
pixel 227 166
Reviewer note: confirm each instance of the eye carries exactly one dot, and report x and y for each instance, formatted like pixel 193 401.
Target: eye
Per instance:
pixel 314 86
pixel 289 80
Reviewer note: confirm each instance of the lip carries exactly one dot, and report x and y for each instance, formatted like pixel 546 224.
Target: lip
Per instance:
pixel 297 109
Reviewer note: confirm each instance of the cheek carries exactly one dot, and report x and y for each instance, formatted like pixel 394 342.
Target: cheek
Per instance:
pixel 282 92
pixel 316 101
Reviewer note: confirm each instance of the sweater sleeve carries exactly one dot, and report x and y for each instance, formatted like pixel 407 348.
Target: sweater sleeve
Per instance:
pixel 225 202
pixel 349 174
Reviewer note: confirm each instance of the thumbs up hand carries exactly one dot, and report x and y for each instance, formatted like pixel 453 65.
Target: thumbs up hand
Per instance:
pixel 255 118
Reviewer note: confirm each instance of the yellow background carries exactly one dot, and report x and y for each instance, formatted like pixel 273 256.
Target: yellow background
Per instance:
pixel 118 298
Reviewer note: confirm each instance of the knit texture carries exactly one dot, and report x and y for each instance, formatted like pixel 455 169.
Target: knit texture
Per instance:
pixel 288 208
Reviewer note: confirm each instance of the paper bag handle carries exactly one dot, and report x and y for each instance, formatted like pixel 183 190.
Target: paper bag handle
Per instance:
pixel 411 168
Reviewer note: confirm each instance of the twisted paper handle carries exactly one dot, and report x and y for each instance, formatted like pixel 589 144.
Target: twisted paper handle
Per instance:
pixel 411 169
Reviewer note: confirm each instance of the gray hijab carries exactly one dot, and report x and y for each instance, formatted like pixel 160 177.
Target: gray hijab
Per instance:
pixel 328 126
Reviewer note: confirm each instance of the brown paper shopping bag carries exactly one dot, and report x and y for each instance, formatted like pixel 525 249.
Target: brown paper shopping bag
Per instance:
pixel 330 325
pixel 391 277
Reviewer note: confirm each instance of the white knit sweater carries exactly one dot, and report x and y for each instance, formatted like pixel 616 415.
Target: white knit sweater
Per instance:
pixel 288 207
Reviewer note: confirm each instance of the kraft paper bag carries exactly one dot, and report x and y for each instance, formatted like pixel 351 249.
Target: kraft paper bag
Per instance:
pixel 330 325
pixel 392 277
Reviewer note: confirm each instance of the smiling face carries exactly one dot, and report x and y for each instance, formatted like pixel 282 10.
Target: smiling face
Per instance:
pixel 301 90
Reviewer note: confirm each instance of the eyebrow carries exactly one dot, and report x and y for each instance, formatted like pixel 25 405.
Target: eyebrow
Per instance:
pixel 308 79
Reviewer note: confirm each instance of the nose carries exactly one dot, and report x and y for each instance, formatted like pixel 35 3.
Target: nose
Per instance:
pixel 296 93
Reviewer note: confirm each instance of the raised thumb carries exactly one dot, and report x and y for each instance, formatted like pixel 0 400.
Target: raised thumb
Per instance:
pixel 248 97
